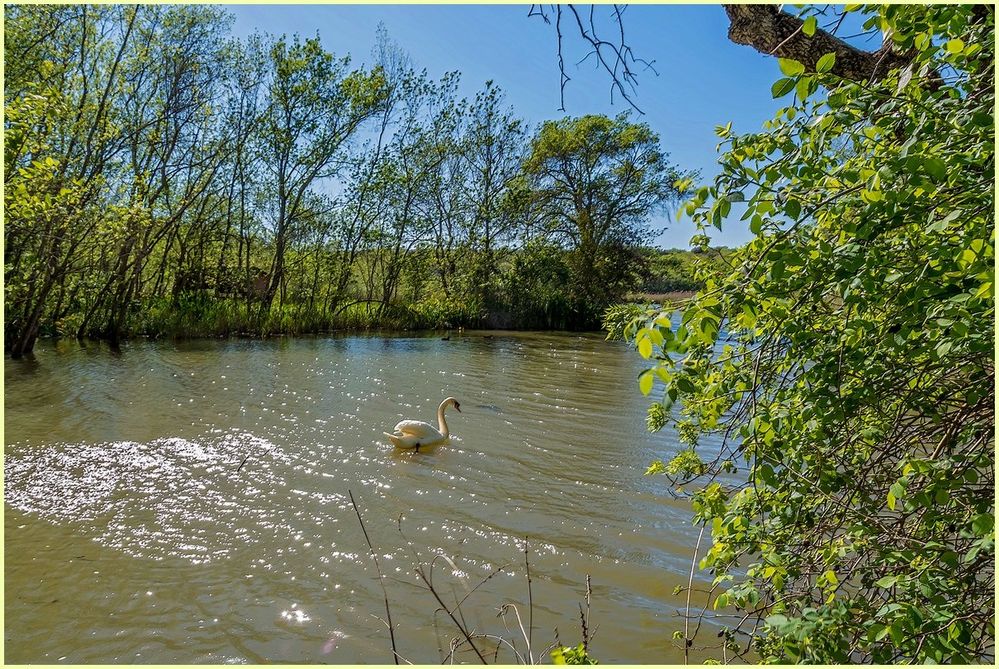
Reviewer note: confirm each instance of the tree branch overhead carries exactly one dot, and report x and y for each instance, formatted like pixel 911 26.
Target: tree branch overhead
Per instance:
pixel 773 32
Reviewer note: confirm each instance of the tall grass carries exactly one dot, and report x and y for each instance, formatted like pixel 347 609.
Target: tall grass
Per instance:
pixel 205 316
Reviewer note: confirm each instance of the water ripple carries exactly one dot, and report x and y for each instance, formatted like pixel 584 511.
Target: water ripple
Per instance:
pixel 215 475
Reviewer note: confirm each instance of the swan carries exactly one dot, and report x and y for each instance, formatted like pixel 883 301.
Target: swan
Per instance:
pixel 416 433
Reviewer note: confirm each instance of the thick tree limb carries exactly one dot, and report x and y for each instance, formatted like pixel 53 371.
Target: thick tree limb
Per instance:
pixel 776 33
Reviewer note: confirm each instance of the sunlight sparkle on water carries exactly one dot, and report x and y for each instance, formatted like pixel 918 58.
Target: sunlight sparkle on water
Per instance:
pixel 295 615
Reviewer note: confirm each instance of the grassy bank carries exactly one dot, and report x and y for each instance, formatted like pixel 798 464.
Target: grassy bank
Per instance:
pixel 202 314
pixel 210 317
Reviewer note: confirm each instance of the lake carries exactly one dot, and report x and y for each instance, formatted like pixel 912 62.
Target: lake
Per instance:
pixel 189 501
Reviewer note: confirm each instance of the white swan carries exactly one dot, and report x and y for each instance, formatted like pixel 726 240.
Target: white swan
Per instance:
pixel 416 433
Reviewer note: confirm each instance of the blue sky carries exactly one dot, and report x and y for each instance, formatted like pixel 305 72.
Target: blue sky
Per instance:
pixel 704 80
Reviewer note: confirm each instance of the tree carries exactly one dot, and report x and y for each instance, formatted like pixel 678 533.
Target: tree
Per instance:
pixel 440 201
pixel 163 107
pixel 409 179
pixel 493 146
pixel 842 373
pixel 245 66
pixel 59 136
pixel 365 182
pixel 97 186
pixel 597 181
pixel 314 107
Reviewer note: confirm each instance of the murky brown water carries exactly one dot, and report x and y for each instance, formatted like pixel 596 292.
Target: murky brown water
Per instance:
pixel 133 535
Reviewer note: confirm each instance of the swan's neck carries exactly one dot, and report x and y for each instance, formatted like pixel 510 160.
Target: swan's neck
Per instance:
pixel 442 424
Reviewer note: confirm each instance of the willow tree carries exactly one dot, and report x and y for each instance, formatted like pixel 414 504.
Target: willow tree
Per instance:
pixel 59 135
pixel 314 107
pixel 94 133
pixel 835 389
pixel 163 108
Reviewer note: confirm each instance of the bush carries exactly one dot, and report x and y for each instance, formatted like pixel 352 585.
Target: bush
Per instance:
pixel 846 363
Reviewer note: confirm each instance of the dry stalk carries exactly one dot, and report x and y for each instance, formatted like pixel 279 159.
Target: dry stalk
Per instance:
pixel 530 605
pixel 690 584
pixel 381 578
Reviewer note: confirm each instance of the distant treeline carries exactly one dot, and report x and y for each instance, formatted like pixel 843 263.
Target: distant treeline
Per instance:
pixel 166 179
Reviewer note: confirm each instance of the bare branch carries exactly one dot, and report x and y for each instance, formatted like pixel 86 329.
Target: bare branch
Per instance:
pixel 616 58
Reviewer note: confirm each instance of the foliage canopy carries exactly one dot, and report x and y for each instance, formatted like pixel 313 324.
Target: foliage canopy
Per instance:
pixel 164 178
pixel 835 389
pixel 596 180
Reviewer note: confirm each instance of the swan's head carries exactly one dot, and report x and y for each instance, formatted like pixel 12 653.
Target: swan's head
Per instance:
pixel 453 402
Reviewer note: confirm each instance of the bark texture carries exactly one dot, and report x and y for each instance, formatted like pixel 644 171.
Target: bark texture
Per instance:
pixel 776 33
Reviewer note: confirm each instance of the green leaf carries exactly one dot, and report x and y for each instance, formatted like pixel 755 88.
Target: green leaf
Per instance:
pixel 825 63
pixel 809 26
pixel 782 87
pixel 935 167
pixel 983 119
pixel 943 223
pixel 765 473
pixel 876 632
pixel 685 385
pixel 777 621
pixel 954 46
pixel 897 633
pixel 644 346
pixel 645 381
pixel 790 67
pixel 886 581
pixel 656 336
pixel 792 208
pixel 656 467
pixel 983 524
pixel 805 87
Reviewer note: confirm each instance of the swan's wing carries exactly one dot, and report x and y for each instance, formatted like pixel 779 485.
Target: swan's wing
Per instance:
pixel 400 440
pixel 417 428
